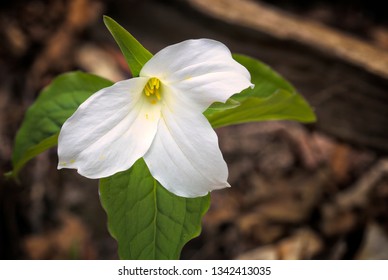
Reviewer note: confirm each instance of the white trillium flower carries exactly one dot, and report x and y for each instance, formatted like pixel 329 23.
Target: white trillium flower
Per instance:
pixel 158 116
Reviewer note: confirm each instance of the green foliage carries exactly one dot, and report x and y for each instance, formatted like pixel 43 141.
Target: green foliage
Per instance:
pixel 266 80
pixel 148 221
pixel 272 98
pixel 135 54
pixel 43 120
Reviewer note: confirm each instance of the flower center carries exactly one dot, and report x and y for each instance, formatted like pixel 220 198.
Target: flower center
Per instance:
pixel 152 90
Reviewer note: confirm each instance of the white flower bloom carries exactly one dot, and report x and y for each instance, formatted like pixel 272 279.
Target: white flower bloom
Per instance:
pixel 158 116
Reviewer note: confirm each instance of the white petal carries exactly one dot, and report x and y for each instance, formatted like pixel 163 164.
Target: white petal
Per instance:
pixel 109 131
pixel 203 70
pixel 185 157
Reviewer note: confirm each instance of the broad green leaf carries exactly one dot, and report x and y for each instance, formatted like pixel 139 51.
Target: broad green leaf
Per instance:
pixel 272 98
pixel 265 79
pixel 148 221
pixel 32 152
pixel 219 106
pixel 43 120
pixel 282 105
pixel 135 54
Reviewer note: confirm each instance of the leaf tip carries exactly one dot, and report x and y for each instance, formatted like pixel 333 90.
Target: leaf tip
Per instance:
pixel 313 117
pixel 9 175
pixel 106 18
pixel 12 175
pixel 109 22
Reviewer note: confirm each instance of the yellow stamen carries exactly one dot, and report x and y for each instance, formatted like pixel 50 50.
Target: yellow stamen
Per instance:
pixel 151 90
pixel 157 95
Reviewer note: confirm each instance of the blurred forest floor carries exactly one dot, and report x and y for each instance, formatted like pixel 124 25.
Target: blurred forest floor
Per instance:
pixel 316 191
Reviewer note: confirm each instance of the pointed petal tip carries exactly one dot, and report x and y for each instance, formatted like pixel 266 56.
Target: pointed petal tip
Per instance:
pixel 191 194
pixel 200 194
pixel 222 186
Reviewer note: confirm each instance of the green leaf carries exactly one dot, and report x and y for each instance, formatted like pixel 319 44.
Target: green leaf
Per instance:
pixel 282 105
pixel 148 221
pixel 272 98
pixel 219 106
pixel 135 54
pixel 32 152
pixel 265 79
pixel 43 120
